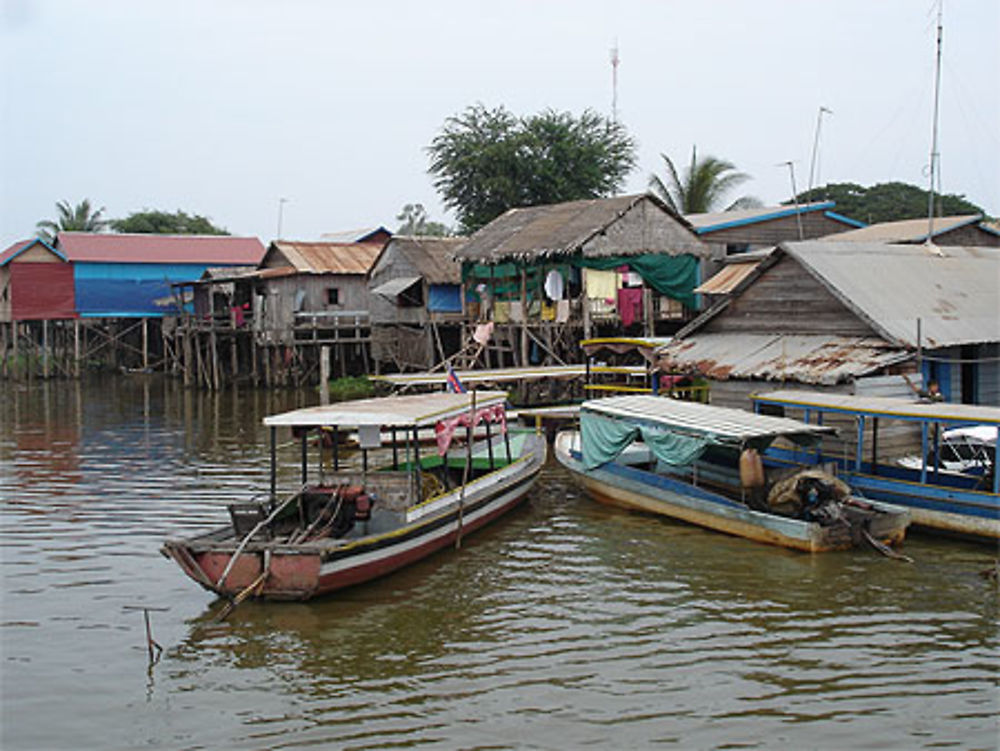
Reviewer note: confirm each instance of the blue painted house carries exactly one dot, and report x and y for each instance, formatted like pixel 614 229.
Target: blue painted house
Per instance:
pixel 129 276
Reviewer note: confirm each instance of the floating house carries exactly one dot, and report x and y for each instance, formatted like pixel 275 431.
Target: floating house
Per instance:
pixel 540 279
pixel 852 318
pixel 416 302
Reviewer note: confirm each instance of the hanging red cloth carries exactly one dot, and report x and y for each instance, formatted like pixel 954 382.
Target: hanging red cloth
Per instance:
pixel 630 305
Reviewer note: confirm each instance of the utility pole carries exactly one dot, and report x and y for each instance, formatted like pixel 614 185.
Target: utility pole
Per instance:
pixel 814 164
pixel 795 197
pixel 935 156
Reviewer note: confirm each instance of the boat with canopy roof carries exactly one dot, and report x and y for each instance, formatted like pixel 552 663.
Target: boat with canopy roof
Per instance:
pixel 701 464
pixel 354 523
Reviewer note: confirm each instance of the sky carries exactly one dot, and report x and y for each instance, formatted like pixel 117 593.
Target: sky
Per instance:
pixel 225 107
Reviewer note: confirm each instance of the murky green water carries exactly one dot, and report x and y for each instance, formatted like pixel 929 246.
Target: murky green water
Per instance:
pixel 565 625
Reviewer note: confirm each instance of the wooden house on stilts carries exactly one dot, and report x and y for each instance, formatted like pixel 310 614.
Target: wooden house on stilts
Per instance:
pixel 538 280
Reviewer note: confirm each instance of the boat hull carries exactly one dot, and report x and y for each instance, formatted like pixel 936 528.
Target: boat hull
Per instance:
pixel 625 487
pixel 303 571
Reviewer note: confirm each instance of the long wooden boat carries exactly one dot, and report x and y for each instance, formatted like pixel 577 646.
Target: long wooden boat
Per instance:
pixel 700 464
pixel 939 501
pixel 350 525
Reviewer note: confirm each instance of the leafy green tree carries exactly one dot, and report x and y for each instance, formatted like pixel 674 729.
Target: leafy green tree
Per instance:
pixel 79 218
pixel 887 202
pixel 485 161
pixel 702 186
pixel 163 223
pixel 414 222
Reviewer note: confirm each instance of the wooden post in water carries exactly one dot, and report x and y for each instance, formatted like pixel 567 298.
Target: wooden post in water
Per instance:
pixel 16 363
pixel 145 343
pixel 45 348
pixel 324 374
pixel 76 347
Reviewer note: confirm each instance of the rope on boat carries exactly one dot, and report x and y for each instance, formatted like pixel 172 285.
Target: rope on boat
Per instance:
pixel 883 548
pixel 257 528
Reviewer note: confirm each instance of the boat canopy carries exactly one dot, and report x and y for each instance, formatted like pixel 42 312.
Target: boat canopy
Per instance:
pixel 407 411
pixel 901 409
pixel 679 432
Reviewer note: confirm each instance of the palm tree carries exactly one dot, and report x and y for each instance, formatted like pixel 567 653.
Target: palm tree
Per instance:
pixel 81 218
pixel 704 183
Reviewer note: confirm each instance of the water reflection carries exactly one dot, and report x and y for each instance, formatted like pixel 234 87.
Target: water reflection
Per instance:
pixel 566 624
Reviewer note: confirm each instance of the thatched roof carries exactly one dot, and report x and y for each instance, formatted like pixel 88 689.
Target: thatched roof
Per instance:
pixel 624 225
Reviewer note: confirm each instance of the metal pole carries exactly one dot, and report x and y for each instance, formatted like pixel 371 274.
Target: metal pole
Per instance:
pixel 795 198
pixel 815 155
pixel 934 132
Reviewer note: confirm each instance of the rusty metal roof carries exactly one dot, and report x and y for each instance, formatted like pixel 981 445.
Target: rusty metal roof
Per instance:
pixel 953 291
pixel 324 257
pixel 581 226
pixel 775 357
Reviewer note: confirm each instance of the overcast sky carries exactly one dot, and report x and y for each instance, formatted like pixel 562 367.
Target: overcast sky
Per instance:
pixel 223 107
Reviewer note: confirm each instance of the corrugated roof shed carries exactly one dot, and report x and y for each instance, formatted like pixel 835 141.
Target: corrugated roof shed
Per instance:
pixel 906 230
pixel 954 291
pixel 774 357
pixel 364 234
pixel 432 257
pixel 210 250
pixel 566 228
pixel 324 257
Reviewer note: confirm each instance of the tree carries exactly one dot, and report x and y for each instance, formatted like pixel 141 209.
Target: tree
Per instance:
pixel 887 202
pixel 485 161
pixel 702 186
pixel 414 222
pixel 162 223
pixel 79 218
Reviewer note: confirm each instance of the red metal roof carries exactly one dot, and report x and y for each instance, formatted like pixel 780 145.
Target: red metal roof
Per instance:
pixel 213 250
pixel 14 250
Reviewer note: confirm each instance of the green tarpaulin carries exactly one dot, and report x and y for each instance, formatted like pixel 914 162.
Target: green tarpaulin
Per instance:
pixel 673 276
pixel 604 438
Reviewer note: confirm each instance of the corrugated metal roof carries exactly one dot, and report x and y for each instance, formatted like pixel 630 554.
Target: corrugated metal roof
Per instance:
pixel 906 230
pixel 877 405
pixel 719 220
pixel 433 257
pixel 953 291
pixel 328 257
pixel 213 250
pixel 721 423
pixel 774 357
pixel 727 279
pixel 566 228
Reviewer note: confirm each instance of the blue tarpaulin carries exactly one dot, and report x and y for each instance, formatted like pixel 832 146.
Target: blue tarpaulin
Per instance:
pixel 445 298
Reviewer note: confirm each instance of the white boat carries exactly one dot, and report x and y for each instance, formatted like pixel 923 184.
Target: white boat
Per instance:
pixel 351 525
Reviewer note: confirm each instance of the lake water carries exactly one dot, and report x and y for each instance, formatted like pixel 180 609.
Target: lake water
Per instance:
pixel 565 625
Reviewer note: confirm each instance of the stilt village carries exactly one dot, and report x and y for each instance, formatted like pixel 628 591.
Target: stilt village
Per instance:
pixel 796 294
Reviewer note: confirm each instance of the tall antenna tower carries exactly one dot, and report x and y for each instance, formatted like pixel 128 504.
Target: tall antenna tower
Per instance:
pixel 614 82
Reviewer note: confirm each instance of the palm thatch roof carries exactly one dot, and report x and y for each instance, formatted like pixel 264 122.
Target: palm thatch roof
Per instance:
pixel 620 226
